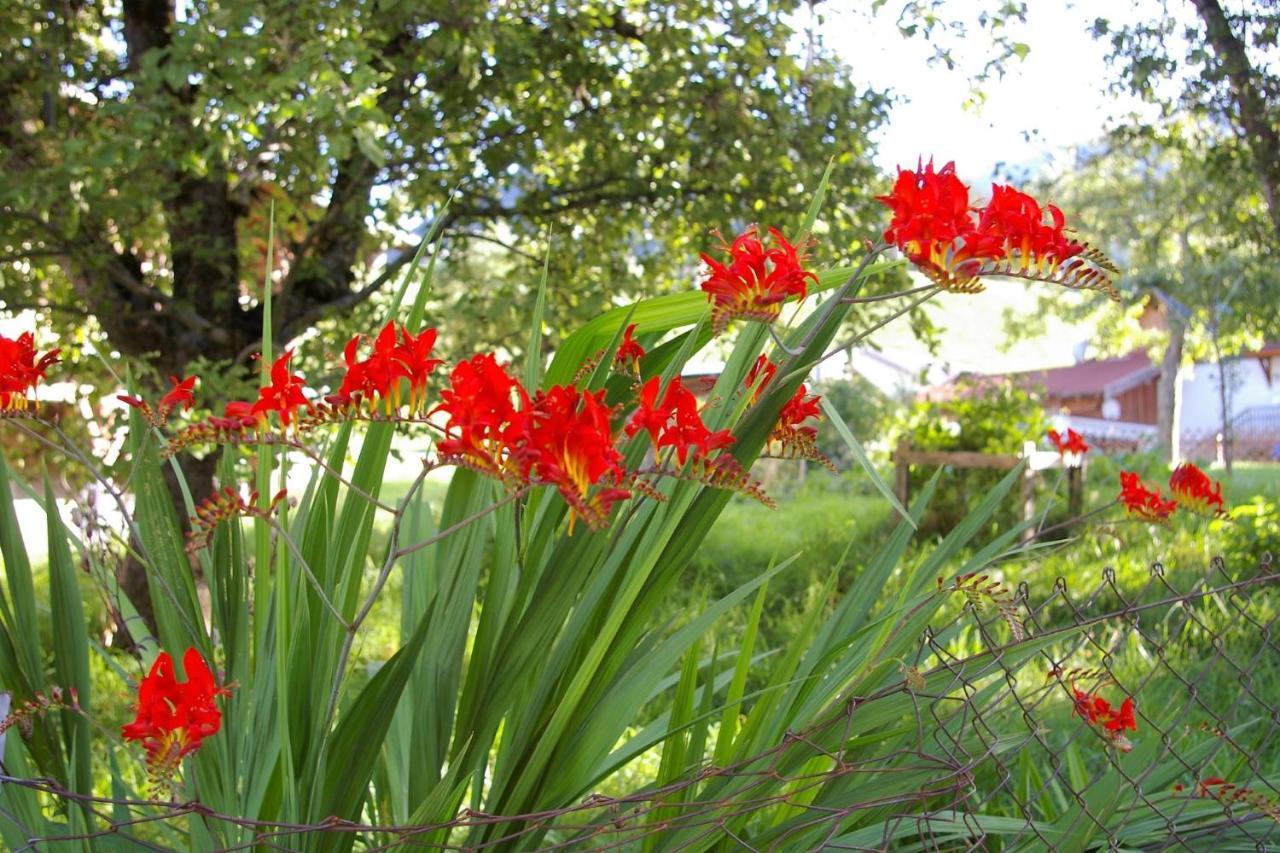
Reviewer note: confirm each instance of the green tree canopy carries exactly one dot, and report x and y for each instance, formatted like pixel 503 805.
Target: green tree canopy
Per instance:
pixel 143 153
pixel 1218 67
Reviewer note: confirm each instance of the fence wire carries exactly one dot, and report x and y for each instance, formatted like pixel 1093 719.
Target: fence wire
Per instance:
pixel 990 756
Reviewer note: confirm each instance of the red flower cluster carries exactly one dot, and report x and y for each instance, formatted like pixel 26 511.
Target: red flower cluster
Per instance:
pixel 629 352
pixel 1195 491
pixel 560 437
pixel 1217 788
pixel 1071 443
pixel 1142 502
pixel 673 419
pixel 956 243
pixel 21 370
pixel 173 717
pixel 1097 711
pixel 397 355
pixel 283 395
pixel 1192 490
pixel 484 404
pixel 756 280
pixel 790 438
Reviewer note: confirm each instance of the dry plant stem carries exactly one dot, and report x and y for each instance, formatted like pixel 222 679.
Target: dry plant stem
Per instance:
pixel 351 627
pixel 1079 518
pixel 777 342
pixel 454 528
pixel 843 293
pixel 306 568
pixel 1057 484
pixel 932 291
pixel 862 300
pixel 394 553
pixel 315 457
pixel 68 447
pixel 928 293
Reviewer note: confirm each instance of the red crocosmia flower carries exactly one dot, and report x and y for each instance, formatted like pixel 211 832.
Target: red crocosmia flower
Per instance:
pixel 675 421
pixel 933 225
pixel 21 368
pixel 374 377
pixel 790 438
pixel 1123 718
pixel 1018 218
pixel 1112 722
pixel 284 395
pixel 757 279
pixel 1141 502
pixel 179 395
pixel 1194 490
pixel 568 443
pixel 800 408
pixel 629 351
pixel 650 415
pixel 763 370
pixel 414 354
pixel 688 434
pixel 957 244
pixel 1091 708
pixel 182 394
pixel 173 718
pixel 1071 443
pixel 487 411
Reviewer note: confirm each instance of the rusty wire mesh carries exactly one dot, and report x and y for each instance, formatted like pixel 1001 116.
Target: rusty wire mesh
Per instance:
pixel 995 758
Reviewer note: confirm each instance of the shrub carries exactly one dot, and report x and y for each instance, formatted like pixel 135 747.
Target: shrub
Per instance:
pixel 996 418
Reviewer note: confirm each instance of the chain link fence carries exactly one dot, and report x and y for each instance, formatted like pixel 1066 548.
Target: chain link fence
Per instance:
pixel 981 743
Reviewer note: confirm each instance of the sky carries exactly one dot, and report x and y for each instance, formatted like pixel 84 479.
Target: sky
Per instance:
pixel 1046 104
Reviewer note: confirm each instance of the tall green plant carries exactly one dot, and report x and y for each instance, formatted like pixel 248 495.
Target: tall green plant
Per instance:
pixel 535 659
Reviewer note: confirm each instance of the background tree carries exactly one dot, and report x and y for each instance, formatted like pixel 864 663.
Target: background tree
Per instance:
pixel 1192 236
pixel 142 153
pixel 146 155
pixel 1218 67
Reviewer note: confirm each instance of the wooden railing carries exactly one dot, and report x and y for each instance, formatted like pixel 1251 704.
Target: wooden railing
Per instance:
pixel 904 456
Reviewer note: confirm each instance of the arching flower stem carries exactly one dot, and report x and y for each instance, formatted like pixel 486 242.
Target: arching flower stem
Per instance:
pixel 897 294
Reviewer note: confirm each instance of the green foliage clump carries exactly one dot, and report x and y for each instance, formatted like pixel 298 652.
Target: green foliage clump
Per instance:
pixel 1249 530
pixel 829 525
pixel 995 418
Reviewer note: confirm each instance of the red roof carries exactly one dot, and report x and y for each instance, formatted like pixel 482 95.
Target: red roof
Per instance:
pixel 1089 377
pixel 1095 376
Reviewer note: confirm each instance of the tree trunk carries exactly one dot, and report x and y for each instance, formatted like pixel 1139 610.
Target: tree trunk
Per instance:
pixel 1224 406
pixel 1253 113
pixel 1168 392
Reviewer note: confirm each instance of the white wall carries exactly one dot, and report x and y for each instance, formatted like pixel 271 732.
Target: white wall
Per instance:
pixel 1247 387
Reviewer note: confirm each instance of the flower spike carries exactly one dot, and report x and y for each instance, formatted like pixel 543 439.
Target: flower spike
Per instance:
pixel 757 279
pixel 957 244
pixel 1144 503
pixel 1194 490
